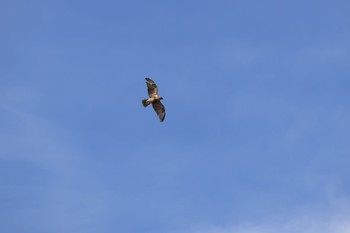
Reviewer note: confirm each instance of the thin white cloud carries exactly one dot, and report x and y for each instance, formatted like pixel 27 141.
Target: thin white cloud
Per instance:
pixel 70 198
pixel 26 136
pixel 306 223
pixel 296 61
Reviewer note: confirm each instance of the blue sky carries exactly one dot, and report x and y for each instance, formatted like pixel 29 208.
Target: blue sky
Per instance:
pixel 256 137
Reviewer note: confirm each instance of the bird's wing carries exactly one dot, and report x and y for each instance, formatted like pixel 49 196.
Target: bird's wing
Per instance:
pixel 160 109
pixel 152 87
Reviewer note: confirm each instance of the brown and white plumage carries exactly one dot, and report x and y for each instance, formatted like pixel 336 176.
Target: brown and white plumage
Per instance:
pixel 154 99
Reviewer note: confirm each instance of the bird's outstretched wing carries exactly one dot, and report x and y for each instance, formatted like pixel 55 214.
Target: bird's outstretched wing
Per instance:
pixel 152 87
pixel 160 109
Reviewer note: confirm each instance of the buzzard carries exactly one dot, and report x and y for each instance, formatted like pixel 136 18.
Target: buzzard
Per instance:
pixel 154 99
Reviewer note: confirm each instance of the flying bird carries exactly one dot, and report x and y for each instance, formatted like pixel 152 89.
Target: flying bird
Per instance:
pixel 154 99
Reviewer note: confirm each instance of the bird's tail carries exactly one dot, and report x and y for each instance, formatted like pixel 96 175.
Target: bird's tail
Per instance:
pixel 145 103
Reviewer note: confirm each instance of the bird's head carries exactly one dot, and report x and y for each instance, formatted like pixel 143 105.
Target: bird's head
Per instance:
pixel 160 97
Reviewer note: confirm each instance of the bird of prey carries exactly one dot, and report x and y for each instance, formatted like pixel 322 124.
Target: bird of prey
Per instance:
pixel 154 99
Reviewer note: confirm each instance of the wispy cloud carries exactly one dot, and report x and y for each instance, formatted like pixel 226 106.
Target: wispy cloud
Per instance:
pixel 26 136
pixel 67 197
pixel 309 222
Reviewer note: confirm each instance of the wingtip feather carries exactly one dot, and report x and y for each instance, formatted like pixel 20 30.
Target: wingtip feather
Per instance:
pixel 162 117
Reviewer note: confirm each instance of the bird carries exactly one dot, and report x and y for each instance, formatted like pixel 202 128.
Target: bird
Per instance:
pixel 154 99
